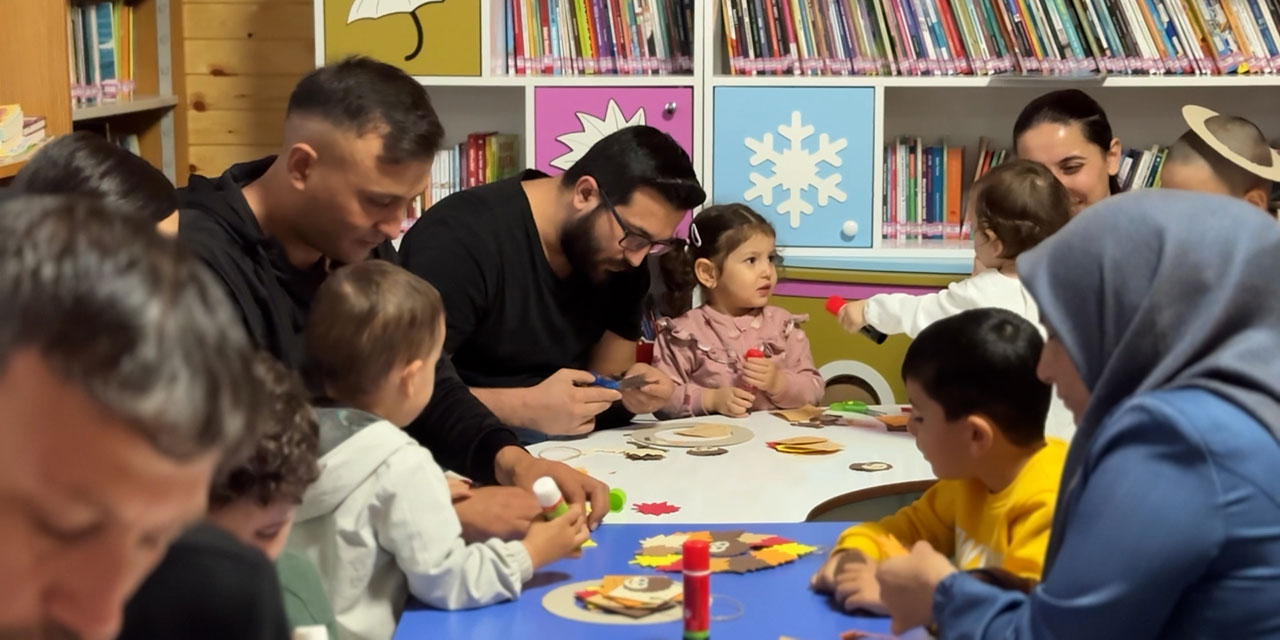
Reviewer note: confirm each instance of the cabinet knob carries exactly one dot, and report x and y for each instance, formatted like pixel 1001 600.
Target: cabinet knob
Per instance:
pixel 849 228
pixel 670 108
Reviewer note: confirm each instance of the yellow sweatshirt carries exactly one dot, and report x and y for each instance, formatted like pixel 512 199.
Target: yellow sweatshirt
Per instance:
pixel 975 527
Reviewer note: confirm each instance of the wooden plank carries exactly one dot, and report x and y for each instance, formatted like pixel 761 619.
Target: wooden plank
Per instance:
pixel 35 70
pixel 263 21
pixel 239 93
pixel 212 160
pixel 249 57
pixel 235 127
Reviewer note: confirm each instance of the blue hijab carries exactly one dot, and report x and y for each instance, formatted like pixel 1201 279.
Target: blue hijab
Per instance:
pixel 1162 289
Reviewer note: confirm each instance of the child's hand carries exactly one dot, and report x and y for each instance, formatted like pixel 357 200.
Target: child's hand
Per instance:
pixel 459 489
pixel 728 400
pixel 548 541
pixel 856 588
pixel 763 374
pixel 907 584
pixel 653 395
pixel 824 581
pixel 853 316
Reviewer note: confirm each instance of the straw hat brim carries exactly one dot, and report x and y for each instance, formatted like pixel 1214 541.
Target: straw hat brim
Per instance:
pixel 1197 118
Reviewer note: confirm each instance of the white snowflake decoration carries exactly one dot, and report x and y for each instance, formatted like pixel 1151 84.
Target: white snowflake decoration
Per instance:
pixel 593 130
pixel 795 169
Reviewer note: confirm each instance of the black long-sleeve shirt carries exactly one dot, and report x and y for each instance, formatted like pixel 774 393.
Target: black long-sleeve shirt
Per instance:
pixel 274 297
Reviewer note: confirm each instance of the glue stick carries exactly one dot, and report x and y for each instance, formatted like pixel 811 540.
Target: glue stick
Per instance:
pixel 751 353
pixel 696 557
pixel 549 498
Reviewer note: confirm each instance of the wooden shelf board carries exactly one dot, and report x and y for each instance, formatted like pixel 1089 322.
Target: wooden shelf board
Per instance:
pixel 135 104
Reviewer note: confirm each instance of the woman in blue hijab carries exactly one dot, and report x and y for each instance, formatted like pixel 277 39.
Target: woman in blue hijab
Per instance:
pixel 1163 309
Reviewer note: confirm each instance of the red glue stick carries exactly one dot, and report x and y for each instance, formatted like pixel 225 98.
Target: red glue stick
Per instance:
pixel 751 353
pixel 697 589
pixel 834 305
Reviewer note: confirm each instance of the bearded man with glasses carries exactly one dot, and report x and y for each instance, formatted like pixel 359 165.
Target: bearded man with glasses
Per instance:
pixel 544 279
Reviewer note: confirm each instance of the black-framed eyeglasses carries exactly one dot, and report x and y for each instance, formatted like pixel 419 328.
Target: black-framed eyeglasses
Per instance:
pixel 634 239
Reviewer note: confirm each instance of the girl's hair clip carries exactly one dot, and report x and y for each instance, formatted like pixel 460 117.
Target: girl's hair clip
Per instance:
pixel 695 239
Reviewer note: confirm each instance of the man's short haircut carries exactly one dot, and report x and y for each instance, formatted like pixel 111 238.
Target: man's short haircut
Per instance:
pixel 85 163
pixel 366 319
pixel 127 316
pixel 1240 136
pixel 983 362
pixel 283 460
pixel 362 95
pixel 635 157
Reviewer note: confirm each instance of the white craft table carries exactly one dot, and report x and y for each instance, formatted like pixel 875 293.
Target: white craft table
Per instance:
pixel 750 483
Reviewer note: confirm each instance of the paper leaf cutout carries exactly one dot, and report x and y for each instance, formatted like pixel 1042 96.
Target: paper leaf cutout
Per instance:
pixel 767 551
pixel 654 562
pixel 655 508
pixel 747 564
pixel 673 540
pixel 766 541
pixel 794 548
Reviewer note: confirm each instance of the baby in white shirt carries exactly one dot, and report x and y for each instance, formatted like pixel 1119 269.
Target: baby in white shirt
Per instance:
pixel 1009 210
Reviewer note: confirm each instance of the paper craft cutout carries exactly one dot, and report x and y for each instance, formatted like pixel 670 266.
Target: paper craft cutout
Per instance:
pixel 871 466
pixel 806 445
pixel 645 454
pixel 732 551
pixel 895 422
pixel 802 414
pixel 707 451
pixel 707 430
pixel 632 596
pixel 800 440
pixel 655 508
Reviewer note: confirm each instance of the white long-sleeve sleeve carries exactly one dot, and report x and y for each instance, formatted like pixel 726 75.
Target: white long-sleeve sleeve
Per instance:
pixel 418 525
pixel 905 313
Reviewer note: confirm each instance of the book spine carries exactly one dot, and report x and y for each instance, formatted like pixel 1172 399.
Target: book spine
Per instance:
pixel 1273 35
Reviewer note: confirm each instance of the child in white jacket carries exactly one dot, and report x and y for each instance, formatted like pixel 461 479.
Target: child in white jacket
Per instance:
pixel 1011 209
pixel 380 524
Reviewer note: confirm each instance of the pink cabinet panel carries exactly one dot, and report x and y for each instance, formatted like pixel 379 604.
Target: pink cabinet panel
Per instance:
pixel 568 120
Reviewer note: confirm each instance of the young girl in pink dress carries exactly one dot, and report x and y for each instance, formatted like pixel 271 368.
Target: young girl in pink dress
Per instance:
pixel 735 353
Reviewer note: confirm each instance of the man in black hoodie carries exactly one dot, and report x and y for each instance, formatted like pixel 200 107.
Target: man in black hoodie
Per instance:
pixel 359 138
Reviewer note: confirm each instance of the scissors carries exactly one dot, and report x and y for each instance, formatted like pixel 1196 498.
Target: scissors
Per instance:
pixel 854 406
pixel 632 382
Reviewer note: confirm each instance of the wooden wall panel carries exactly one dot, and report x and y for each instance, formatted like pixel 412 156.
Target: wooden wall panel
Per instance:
pixel 241 60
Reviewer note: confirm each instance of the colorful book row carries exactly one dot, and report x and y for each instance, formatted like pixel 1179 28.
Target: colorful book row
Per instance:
pixel 924 188
pixel 481 159
pixel 982 37
pixel 100 49
pixel 586 37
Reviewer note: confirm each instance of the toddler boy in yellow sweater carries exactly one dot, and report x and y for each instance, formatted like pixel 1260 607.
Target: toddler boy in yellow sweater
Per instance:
pixel 977 412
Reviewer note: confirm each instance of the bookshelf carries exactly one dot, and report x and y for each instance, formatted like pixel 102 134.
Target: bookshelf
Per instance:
pixel 865 112
pixel 42 83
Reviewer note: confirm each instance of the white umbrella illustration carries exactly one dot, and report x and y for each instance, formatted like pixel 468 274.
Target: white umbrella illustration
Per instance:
pixel 374 9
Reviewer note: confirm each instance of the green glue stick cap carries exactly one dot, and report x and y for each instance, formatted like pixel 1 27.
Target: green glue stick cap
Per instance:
pixel 617 499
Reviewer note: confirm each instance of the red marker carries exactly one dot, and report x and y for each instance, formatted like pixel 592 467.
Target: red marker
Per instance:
pixel 754 353
pixel 697 589
pixel 834 305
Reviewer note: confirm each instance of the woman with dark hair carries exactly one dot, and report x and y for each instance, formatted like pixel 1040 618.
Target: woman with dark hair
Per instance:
pixel 85 163
pixel 1068 132
pixel 1163 343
